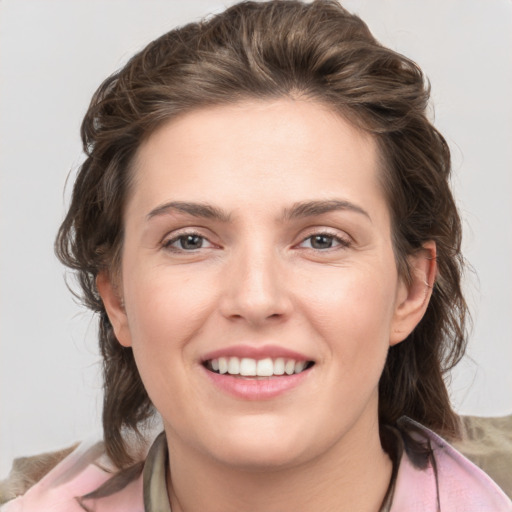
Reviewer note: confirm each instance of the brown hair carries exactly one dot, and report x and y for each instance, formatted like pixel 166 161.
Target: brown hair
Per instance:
pixel 269 50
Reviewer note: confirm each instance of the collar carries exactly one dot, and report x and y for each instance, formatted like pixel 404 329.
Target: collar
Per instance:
pixel 156 497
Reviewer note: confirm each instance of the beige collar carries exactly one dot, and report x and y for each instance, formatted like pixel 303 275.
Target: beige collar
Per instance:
pixel 156 497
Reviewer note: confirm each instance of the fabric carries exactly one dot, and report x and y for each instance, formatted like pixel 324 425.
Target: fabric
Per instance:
pixel 449 482
pixel 488 443
pixel 437 479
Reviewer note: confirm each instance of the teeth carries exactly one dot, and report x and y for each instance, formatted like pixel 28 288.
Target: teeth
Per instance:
pixel 248 367
pixel 289 367
pixel 299 366
pixel 234 366
pixel 265 368
pixel 279 366
pixel 223 365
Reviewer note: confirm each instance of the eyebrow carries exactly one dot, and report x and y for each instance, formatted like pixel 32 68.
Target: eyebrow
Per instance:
pixel 203 210
pixel 312 208
pixel 297 211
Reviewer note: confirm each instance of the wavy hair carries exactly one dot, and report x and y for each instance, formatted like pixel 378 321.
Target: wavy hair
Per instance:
pixel 269 50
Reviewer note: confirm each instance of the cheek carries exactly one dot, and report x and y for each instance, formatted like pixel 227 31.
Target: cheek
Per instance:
pixel 166 308
pixel 353 311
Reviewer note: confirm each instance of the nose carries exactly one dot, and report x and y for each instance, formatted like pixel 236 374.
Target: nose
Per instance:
pixel 256 290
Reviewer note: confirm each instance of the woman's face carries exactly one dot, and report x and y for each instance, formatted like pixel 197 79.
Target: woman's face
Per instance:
pixel 258 240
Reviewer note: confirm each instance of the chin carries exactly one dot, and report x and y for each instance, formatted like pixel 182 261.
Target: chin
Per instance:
pixel 262 446
pixel 256 457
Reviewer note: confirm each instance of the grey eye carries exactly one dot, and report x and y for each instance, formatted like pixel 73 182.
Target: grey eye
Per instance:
pixel 190 242
pixel 324 241
pixel 321 241
pixel 187 242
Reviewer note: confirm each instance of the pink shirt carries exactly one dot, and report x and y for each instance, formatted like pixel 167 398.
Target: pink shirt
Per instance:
pixel 449 483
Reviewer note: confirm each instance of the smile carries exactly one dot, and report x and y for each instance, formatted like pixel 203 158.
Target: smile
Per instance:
pixel 257 372
pixel 249 367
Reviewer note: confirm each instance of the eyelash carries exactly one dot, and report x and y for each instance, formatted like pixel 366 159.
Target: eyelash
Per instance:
pixel 168 244
pixel 342 242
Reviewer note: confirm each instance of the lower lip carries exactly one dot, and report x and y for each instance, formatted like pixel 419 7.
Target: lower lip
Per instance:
pixel 256 389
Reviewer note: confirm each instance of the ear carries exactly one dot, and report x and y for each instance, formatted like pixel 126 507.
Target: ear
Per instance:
pixel 413 296
pixel 112 300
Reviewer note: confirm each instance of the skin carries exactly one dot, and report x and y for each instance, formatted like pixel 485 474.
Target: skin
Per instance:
pixel 258 279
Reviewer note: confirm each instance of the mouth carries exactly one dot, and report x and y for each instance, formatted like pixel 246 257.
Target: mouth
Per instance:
pixel 249 368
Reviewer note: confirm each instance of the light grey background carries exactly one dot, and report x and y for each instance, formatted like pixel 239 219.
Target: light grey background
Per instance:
pixel 53 54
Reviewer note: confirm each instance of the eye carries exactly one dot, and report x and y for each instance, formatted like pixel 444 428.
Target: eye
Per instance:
pixel 187 242
pixel 323 241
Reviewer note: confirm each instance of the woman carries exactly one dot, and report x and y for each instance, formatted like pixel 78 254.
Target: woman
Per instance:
pixel 265 227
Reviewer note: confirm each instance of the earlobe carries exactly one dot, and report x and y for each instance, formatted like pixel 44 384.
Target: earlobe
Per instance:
pixel 414 295
pixel 113 302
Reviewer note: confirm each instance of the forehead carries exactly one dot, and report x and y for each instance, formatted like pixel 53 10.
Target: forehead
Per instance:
pixel 254 151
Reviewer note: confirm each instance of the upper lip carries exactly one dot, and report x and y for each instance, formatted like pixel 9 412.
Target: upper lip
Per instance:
pixel 255 352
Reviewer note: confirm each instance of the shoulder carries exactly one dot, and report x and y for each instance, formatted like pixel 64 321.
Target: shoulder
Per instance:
pixel 449 482
pixel 66 487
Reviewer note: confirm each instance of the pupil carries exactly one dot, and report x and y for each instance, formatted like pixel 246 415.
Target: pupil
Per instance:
pixel 191 242
pixel 321 242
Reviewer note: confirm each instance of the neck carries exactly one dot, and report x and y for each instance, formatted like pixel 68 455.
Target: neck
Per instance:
pixel 351 476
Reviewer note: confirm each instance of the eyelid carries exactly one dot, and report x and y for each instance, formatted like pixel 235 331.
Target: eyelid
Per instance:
pixel 342 238
pixel 175 235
